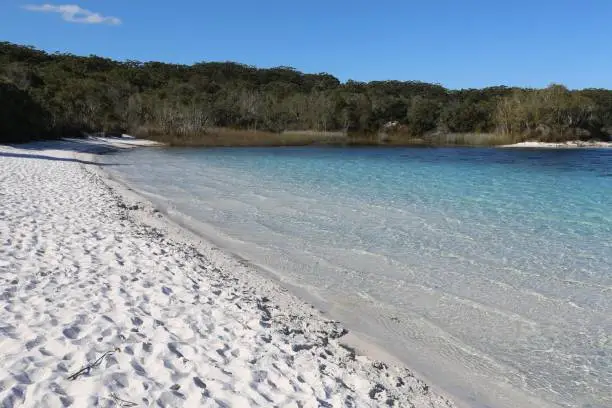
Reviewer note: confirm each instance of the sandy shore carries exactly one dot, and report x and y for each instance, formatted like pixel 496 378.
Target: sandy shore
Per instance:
pixel 565 145
pixel 105 302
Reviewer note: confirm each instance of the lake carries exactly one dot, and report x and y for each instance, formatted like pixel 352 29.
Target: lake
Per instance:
pixel 487 271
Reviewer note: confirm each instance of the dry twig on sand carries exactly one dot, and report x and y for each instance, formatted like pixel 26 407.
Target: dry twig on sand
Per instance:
pixel 87 369
pixel 121 402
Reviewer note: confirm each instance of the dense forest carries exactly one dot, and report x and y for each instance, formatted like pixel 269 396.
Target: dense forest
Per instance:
pixel 51 95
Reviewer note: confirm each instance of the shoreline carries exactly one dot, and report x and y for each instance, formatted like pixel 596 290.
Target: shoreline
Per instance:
pixel 576 144
pixel 283 292
pixel 279 322
pixel 363 331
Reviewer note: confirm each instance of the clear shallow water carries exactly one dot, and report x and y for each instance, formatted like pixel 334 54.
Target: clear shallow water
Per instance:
pixel 488 271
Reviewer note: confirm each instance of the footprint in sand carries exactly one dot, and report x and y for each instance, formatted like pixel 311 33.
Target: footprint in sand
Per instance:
pixel 147 347
pixel 72 332
pixel 118 380
pixel 35 342
pixel 199 383
pixel 17 393
pixel 23 378
pixel 138 368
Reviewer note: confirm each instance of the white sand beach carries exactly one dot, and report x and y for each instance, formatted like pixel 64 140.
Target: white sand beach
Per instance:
pixel 106 303
pixel 577 144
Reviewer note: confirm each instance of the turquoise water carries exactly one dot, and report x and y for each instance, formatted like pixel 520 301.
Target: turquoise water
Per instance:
pixel 488 271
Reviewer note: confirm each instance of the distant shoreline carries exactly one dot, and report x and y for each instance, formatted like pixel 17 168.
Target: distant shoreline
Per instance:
pixel 130 141
pixel 223 137
pixel 574 144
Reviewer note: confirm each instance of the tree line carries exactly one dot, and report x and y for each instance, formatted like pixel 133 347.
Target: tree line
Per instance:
pixel 51 95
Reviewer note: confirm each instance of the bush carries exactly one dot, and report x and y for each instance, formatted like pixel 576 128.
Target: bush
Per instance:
pixel 422 115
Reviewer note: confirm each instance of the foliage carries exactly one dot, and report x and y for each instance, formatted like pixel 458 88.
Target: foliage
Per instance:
pixel 46 95
pixel 549 114
pixel 422 115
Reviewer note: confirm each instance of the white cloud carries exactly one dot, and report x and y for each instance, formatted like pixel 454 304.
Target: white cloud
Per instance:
pixel 74 14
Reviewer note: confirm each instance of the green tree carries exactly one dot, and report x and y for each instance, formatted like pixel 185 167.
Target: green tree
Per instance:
pixel 422 115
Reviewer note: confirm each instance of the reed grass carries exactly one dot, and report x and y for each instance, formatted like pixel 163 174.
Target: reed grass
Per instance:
pixel 228 137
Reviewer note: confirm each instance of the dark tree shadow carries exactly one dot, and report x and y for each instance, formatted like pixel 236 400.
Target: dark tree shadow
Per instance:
pixel 51 158
pixel 83 145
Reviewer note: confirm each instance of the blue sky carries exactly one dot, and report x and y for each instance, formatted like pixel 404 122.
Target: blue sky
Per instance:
pixel 457 43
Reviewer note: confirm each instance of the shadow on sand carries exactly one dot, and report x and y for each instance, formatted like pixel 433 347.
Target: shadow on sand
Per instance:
pixel 43 157
pixel 82 145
